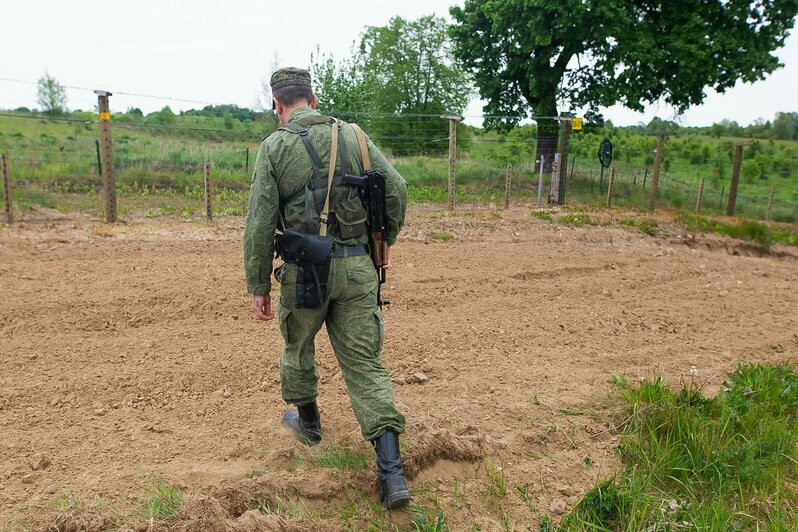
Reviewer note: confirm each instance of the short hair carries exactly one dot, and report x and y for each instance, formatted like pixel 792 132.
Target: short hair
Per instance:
pixel 291 94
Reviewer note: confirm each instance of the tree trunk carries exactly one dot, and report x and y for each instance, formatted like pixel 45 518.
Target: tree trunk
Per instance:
pixel 548 131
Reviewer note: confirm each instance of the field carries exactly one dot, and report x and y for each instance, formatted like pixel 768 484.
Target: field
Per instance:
pixel 137 391
pixel 49 157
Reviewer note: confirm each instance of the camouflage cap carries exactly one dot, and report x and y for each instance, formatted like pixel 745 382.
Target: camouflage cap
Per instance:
pixel 291 76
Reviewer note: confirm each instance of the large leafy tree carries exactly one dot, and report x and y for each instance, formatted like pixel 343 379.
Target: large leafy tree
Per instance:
pixel 554 55
pixel 396 73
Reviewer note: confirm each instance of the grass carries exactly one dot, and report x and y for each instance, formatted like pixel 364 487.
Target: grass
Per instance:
pixel 67 501
pixel 288 507
pixel 162 501
pixel 576 220
pixel 441 235
pixel 52 154
pixel 760 233
pixel 427 522
pixel 336 457
pixel 727 462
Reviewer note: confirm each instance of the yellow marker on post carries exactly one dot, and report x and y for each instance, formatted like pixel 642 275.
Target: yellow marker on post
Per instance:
pixel 105 116
pixel 576 124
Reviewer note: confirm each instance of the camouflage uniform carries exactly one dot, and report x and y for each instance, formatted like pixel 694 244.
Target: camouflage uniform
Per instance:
pixel 354 321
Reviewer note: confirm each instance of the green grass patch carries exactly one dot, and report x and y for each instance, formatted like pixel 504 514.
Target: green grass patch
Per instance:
pixel 67 501
pixel 576 220
pixel 427 521
pixel 750 230
pixel 721 463
pixel 649 227
pixel 541 215
pixel 336 457
pixel 441 235
pixel 288 507
pixel 162 500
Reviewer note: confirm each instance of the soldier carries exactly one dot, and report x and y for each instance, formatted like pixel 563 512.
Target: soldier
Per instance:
pixel 328 277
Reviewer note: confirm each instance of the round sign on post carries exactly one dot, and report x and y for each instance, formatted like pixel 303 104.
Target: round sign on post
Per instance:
pixel 605 153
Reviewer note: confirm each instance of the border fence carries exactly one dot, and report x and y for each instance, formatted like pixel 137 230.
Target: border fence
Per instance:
pixel 83 163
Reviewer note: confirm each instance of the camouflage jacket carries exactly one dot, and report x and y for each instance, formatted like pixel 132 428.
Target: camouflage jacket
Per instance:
pixel 282 168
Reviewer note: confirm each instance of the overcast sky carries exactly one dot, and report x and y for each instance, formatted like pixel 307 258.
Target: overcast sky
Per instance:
pixel 219 52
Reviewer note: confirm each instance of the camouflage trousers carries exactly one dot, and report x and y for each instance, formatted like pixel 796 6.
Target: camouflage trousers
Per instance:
pixel 355 326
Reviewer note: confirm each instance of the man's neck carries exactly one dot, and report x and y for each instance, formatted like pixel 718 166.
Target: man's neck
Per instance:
pixel 288 112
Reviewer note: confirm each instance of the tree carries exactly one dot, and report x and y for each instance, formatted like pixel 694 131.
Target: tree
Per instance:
pixel 717 130
pixel 404 68
pixel 784 126
pixel 51 95
pixel 342 86
pixel 163 117
pixel 547 54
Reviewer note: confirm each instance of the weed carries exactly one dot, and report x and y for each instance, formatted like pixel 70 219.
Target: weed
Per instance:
pixel 337 457
pixel 533 399
pixel 441 235
pixel 619 382
pixel 523 492
pixel 162 500
pixel 66 501
pixel 542 215
pixel 649 227
pixel 286 507
pixel 576 220
pixel 497 484
pixel 425 522
pixel 254 472
pixel 545 524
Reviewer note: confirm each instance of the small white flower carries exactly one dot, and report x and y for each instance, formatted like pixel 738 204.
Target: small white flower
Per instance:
pixel 693 370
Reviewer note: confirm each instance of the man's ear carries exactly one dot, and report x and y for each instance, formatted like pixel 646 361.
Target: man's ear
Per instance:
pixel 313 102
pixel 276 106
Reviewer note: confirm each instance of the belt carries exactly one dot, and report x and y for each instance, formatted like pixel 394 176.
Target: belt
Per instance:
pixel 349 251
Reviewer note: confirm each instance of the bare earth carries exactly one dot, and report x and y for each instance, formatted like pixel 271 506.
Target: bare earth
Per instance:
pixel 128 354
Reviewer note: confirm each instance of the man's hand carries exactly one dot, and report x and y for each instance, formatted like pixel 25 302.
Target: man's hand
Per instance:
pixel 387 259
pixel 261 306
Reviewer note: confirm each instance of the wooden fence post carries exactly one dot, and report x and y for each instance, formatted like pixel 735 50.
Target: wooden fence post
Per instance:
pixel 508 182
pixel 770 203
pixel 452 156
pixel 652 202
pixel 246 167
pixel 107 155
pixel 7 191
pixel 645 177
pixel 208 193
pixel 609 188
pixel 738 162
pixel 700 196
pixel 722 192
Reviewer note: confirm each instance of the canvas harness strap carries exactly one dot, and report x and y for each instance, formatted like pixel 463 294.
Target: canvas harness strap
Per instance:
pixel 364 149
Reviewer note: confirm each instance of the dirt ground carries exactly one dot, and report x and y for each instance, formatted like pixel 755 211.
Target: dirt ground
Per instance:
pixel 128 353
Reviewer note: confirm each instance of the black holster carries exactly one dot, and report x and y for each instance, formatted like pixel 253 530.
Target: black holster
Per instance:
pixel 311 254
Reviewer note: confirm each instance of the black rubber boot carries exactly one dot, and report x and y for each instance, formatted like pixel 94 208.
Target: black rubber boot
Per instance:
pixel 393 487
pixel 304 422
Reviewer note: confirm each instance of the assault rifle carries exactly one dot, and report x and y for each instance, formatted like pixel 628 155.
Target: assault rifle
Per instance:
pixel 371 187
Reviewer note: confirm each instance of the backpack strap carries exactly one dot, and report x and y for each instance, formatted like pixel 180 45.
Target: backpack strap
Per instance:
pixel 325 212
pixel 364 148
